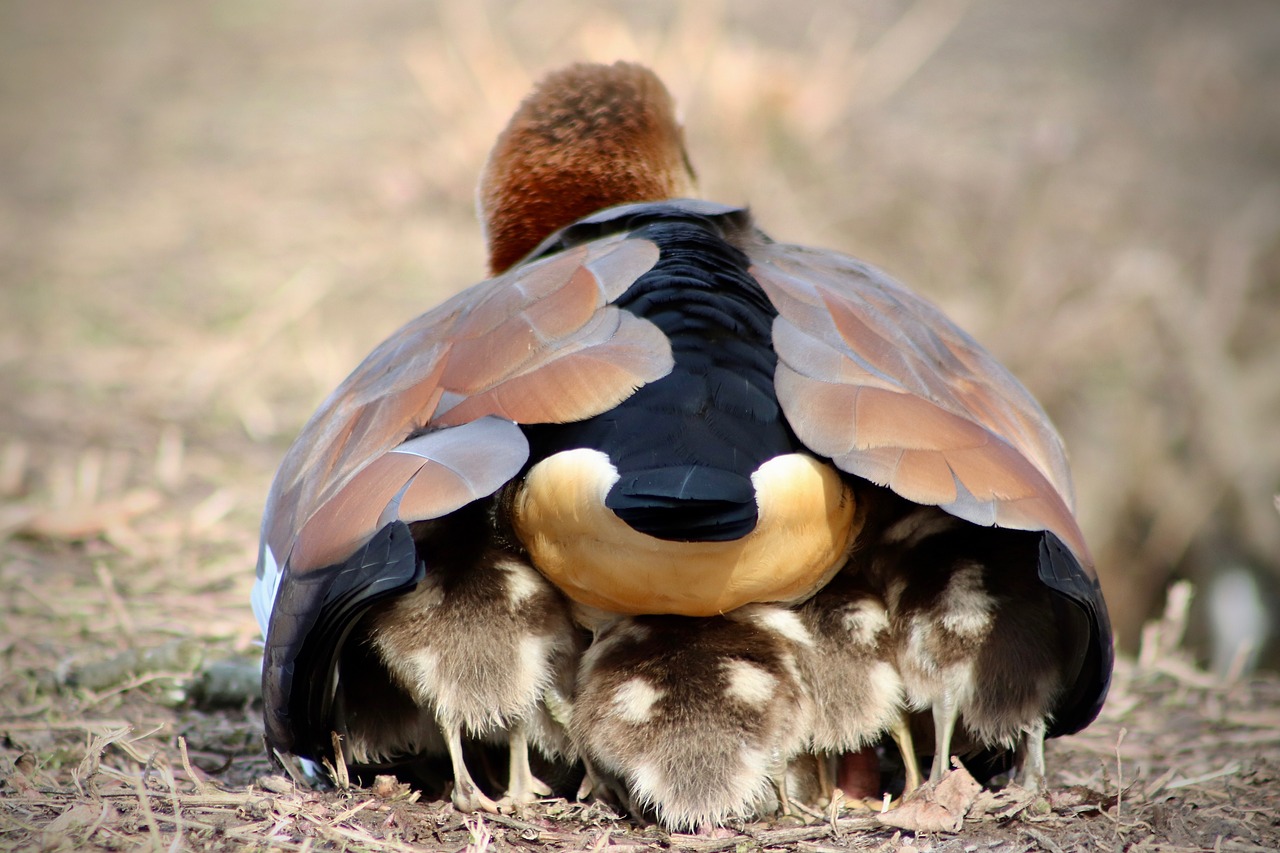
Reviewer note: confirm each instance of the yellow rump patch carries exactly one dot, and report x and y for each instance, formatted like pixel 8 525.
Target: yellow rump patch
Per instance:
pixel 805 530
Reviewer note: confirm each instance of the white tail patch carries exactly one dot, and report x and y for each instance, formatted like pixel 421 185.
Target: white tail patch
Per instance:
pixel 634 700
pixel 966 605
pixel 522 582
pixel 749 683
pixel 864 620
pixel 780 621
pixel 424 664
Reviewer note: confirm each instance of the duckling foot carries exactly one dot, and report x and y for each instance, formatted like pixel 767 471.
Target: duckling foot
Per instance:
pixel 467 796
pixel 859 803
pixel 901 733
pixel 1029 767
pixel 522 786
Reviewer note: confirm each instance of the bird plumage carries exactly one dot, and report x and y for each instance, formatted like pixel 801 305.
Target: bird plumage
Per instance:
pixel 478 645
pixel 850 670
pixel 693 719
pixel 976 636
pixel 727 403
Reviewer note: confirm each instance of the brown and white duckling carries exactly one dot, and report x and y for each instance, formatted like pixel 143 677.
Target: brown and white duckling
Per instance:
pixel 977 637
pixel 478 644
pixel 693 719
pixel 852 677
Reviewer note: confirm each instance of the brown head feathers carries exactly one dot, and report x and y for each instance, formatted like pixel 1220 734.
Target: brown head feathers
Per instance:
pixel 587 138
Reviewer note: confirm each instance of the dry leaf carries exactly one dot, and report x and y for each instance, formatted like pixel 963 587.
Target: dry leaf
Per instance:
pixel 937 807
pixel 388 787
pixel 956 791
pixel 922 816
pixel 76 523
pixel 76 817
pixel 276 784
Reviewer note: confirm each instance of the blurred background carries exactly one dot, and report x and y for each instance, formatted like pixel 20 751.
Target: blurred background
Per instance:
pixel 209 212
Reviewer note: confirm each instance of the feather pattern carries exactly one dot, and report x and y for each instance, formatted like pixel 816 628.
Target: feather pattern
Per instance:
pixel 659 411
pixel 877 379
pixel 567 354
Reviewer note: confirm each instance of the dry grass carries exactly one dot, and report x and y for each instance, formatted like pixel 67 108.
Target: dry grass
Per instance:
pixel 209 213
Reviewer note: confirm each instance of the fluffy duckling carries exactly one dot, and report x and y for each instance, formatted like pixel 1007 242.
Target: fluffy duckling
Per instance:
pixel 977 638
pixel 851 675
pixel 693 719
pixel 478 644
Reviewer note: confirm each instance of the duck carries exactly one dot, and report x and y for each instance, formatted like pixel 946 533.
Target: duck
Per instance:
pixel 978 640
pixel 473 653
pixel 479 643
pixel 693 720
pixel 850 670
pixel 656 406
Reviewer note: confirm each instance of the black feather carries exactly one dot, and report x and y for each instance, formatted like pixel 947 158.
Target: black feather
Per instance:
pixel 312 617
pixel 686 445
pixel 1080 608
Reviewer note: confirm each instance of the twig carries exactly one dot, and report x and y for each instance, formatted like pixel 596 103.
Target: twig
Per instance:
pixel 186 765
pixel 91 726
pixel 293 768
pixel 144 805
pixel 121 613
pixel 539 833
pixel 92 760
pixel 1043 840
pixel 102 818
pixel 1230 770
pixel 167 775
pixel 339 767
pixel 776 837
pixel 351 811
pixel 1119 777
pixel 698 844
pixel 245 800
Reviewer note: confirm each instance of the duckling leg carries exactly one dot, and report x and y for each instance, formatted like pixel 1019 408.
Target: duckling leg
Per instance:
pixel 901 734
pixel 1029 767
pixel 778 779
pixel 467 796
pixel 945 713
pixel 522 786
pixel 827 762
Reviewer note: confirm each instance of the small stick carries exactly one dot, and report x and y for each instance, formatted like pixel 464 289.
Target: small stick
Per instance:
pixel 1119 777
pixel 121 613
pixel 174 797
pixel 339 764
pixel 144 804
pixel 186 765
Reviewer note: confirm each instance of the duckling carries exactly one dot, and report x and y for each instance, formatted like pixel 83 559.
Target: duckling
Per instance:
pixel 693 719
pixel 850 672
pixel 979 641
pixel 477 644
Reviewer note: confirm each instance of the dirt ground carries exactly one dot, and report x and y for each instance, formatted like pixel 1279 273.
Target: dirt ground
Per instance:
pixel 210 212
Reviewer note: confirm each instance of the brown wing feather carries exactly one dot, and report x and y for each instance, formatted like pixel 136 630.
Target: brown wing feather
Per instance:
pixel 538 344
pixel 880 381
pixel 425 477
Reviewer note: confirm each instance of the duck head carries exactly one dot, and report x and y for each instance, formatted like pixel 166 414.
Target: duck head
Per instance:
pixel 588 137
